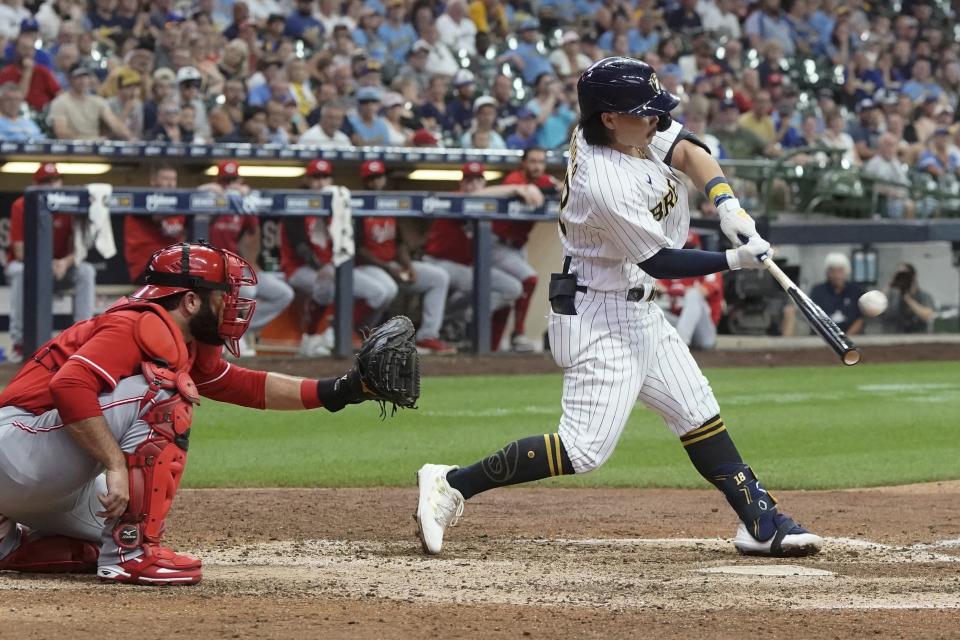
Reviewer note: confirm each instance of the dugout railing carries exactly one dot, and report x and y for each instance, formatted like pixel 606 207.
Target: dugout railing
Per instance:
pixel 200 206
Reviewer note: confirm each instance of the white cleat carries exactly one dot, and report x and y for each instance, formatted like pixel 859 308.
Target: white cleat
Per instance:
pixel 440 505
pixel 522 344
pixel 312 346
pixel 788 542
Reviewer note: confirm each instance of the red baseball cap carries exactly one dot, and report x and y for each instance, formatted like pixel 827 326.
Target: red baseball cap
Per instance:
pixel 319 167
pixel 228 170
pixel 372 168
pixel 423 138
pixel 46 171
pixel 473 170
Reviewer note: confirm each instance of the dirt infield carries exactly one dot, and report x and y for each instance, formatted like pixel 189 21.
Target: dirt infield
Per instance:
pixel 330 563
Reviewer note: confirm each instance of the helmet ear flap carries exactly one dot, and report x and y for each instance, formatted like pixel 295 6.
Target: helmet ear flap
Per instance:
pixel 664 122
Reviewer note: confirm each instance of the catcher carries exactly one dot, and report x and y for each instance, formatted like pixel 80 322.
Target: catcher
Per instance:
pixel 94 427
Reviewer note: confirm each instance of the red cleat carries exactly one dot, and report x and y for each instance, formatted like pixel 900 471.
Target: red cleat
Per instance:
pixel 157 566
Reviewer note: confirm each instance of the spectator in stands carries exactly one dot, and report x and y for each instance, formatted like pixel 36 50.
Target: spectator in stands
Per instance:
pixel 768 22
pixel 569 60
pixel 886 166
pixel 439 57
pixel 527 57
pixel 736 142
pixel 835 137
pixel 416 67
pixel 126 105
pixel 369 128
pixel 490 17
pixel 433 112
pixel 924 123
pixel 67 272
pixel 367 34
pixel 620 27
pixel 145 235
pixel 278 123
pixel 15 127
pixel 253 130
pixel 694 305
pixel 910 308
pixel 394 112
pixel 921 84
pixel 226 117
pixel 397 34
pixel 240 233
pixel 525 135
pixel 719 17
pixel 160 89
pixel 485 119
pixel 35 80
pixel 554 115
pixel 65 57
pixel 461 107
pixel 507 107
pixel 456 29
pixel 188 82
pixel 509 246
pixel 326 133
pixel 684 19
pixel 168 127
pixel 77 115
pixel 759 121
pixel 866 131
pixel 837 296
pixel 939 159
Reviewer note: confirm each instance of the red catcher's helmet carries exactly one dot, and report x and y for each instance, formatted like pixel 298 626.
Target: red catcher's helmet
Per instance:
pixel 197 265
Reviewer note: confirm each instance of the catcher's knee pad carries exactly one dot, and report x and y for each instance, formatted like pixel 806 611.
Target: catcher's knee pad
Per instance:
pixel 53 554
pixel 156 466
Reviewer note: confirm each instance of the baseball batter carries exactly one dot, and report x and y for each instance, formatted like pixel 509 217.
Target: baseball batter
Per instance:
pixel 94 428
pixel 623 222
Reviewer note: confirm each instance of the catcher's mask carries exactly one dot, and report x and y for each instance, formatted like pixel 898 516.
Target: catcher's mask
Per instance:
pixel 198 265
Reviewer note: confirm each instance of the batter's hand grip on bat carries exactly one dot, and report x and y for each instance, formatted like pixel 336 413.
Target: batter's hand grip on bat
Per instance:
pixel 818 320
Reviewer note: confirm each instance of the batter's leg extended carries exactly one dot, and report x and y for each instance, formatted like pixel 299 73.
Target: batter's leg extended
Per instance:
pixel 676 389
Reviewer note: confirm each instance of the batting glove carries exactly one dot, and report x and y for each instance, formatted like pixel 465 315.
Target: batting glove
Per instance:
pixel 735 222
pixel 749 256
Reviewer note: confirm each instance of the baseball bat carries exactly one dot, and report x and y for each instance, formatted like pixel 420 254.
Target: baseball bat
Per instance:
pixel 818 320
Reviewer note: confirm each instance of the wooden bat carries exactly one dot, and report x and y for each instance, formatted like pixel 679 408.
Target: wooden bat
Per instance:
pixel 818 320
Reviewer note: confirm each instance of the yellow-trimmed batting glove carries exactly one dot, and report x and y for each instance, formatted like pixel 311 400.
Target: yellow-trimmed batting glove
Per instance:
pixel 736 222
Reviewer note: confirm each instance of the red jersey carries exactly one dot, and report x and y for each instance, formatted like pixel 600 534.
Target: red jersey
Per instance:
pixel 43 86
pixel 93 356
pixel 512 232
pixel 320 242
pixel 143 236
pixel 62 230
pixel 713 283
pixel 380 237
pixel 225 231
pixel 448 240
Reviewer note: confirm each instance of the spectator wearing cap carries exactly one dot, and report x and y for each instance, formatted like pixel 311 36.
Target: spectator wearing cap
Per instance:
pixel 367 35
pixel 867 129
pixel 440 60
pixel 170 37
pixel 490 17
pixel 326 133
pixel 394 112
pixel 36 81
pixel 76 114
pixel 369 128
pixel 736 142
pixel 15 127
pixel 161 88
pixel 685 20
pixel 423 138
pixel 29 28
pixel 138 60
pixel 169 126
pixel 369 74
pixel 554 114
pixel 188 83
pixel 921 84
pixel 527 57
pixel 768 22
pixel 226 117
pixel 894 189
pixel 126 105
pixel 484 123
pixel 525 134
pixel 433 112
pixel 253 130
pixel 397 34
pixel 67 272
pixel 461 106
pixel 456 29
pixel 306 259
pixel 569 60
pixel 416 66
pixel 385 263
pixel 940 159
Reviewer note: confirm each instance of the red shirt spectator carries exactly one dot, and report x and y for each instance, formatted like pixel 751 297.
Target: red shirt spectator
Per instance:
pixel 43 86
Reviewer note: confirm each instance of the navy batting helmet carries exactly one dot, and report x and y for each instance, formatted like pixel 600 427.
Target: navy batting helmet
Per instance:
pixel 623 85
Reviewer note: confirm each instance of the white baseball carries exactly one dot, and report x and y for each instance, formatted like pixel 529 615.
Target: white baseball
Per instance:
pixel 873 303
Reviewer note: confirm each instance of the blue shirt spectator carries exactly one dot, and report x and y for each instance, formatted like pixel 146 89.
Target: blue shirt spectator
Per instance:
pixel 301 20
pixel 940 160
pixel 534 63
pixel 398 39
pixel 375 47
pixel 919 91
pixel 840 305
pixel 370 133
pixel 763 26
pixel 19 129
pixel 259 95
pixel 555 130
pixel 565 10
pixel 525 135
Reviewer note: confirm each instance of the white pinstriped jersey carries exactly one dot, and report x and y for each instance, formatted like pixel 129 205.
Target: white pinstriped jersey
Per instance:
pixel 617 211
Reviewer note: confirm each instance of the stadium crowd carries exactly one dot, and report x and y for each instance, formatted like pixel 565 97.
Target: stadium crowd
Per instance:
pixel 756 80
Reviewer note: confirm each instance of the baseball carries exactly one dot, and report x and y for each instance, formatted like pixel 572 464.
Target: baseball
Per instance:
pixel 873 303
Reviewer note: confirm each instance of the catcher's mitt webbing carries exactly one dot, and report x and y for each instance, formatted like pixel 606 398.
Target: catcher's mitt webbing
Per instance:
pixel 389 366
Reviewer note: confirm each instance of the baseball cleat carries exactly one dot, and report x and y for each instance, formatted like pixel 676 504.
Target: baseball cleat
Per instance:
pixel 157 566
pixel 790 541
pixel 440 506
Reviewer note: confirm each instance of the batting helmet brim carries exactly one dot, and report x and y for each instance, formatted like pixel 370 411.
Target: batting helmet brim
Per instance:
pixel 658 106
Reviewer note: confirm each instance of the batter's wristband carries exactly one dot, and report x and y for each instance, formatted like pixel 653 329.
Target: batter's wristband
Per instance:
pixel 309 394
pixel 718 190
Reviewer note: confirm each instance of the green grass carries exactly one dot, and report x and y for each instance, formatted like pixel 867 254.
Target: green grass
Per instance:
pixel 807 427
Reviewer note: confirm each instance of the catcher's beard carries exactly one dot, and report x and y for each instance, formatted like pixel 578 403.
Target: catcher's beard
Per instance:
pixel 205 326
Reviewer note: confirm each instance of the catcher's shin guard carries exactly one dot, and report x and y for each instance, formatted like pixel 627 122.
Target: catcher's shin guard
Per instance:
pixel 155 469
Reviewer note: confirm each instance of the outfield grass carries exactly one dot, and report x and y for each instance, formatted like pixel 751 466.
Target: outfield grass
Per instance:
pixel 811 428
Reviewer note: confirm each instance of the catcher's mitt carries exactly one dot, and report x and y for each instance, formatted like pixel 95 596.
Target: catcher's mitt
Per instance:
pixel 389 366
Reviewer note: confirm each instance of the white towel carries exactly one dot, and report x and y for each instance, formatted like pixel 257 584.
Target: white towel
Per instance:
pixel 95 230
pixel 341 224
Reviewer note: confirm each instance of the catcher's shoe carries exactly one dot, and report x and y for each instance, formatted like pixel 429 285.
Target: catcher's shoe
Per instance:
pixel 790 540
pixel 440 505
pixel 52 554
pixel 157 566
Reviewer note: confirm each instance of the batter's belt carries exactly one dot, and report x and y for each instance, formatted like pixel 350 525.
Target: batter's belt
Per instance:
pixel 563 288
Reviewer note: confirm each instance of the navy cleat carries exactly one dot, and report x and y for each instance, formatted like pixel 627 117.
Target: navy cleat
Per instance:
pixel 790 540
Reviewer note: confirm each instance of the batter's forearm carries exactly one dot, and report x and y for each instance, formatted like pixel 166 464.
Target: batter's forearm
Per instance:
pixel 670 264
pixel 696 162
pixel 94 436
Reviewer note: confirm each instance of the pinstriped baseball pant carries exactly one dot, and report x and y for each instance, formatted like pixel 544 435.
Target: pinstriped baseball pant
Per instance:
pixel 613 353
